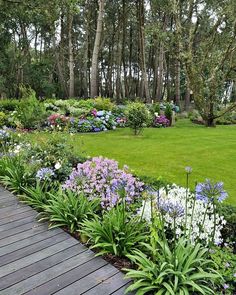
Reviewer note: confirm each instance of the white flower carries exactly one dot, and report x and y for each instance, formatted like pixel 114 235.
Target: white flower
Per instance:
pixel 57 165
pixel 199 224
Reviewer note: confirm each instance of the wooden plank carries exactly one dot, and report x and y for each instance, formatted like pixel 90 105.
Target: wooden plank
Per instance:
pixel 8 258
pixel 47 275
pixel 68 278
pixel 5 194
pixel 18 264
pixel 121 291
pixel 109 286
pixel 90 281
pixel 28 241
pixel 13 211
pixel 19 222
pixel 18 216
pixel 19 229
pixel 40 266
pixel 7 203
pixel 24 235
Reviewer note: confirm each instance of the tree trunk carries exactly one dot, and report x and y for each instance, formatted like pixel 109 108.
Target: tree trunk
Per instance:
pixel 160 74
pixel 94 70
pixel 144 90
pixel 187 98
pixel 71 57
pixel 177 79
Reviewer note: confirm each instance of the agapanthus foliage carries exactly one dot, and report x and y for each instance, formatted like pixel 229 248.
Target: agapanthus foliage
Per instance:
pixel 102 178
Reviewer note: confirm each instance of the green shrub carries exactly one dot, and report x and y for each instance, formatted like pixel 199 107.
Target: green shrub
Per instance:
pixel 168 112
pixel 137 115
pixel 115 233
pixel 183 270
pixel 66 208
pixel 84 103
pixel 8 105
pixel 31 112
pixel 3 119
pixel 102 104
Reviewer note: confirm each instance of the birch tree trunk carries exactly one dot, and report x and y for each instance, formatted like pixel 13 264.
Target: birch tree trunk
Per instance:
pixel 94 69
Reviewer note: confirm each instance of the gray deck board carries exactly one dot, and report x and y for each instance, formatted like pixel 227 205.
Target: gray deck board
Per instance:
pixel 38 261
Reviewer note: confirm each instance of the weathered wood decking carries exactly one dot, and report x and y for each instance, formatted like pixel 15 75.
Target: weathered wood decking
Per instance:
pixel 38 261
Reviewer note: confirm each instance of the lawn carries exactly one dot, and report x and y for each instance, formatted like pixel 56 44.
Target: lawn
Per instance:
pixel 211 152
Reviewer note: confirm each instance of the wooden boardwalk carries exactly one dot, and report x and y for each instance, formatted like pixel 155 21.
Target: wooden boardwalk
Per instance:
pixel 38 261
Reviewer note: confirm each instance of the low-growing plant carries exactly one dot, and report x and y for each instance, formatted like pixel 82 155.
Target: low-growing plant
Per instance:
pixel 186 269
pixel 36 196
pixel 229 230
pixel 137 116
pixel 225 260
pixel 68 209
pixel 14 173
pixel 116 232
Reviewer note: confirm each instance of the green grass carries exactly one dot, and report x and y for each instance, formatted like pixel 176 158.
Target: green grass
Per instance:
pixel 211 152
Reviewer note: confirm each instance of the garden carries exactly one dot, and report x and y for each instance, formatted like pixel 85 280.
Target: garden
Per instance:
pixel 167 238
pixel 118 126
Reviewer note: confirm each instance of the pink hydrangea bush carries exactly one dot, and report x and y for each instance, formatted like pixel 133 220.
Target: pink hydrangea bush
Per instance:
pixel 102 178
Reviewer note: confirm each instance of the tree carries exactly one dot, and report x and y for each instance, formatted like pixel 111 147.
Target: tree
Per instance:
pixel 94 69
pixel 207 39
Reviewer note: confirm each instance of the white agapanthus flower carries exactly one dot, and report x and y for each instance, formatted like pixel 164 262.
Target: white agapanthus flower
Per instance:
pixel 200 216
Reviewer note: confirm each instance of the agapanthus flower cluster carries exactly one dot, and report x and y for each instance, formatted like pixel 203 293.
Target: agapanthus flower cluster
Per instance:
pixel 172 202
pixel 209 191
pixel 4 134
pixel 102 178
pixel 172 207
pixel 45 174
pixel 161 121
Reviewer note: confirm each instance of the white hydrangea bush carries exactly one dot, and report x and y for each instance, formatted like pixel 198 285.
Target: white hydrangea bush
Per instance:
pixel 200 215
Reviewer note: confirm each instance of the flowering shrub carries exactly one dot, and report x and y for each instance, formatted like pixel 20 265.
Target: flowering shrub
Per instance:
pixel 161 121
pixel 101 178
pixel 57 121
pixel 172 203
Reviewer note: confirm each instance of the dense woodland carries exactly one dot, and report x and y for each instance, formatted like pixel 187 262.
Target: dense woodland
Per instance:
pixel 153 50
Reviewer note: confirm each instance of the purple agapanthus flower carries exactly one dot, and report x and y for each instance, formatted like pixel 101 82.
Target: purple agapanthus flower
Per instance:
pixel 171 207
pixel 209 191
pixel 45 173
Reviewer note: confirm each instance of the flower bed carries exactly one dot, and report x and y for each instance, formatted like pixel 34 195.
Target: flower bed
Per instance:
pixel 172 236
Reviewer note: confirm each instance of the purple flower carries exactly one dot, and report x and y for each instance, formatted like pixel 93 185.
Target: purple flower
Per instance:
pixel 226 286
pixel 102 178
pixel 45 173
pixel 209 191
pixel 171 207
